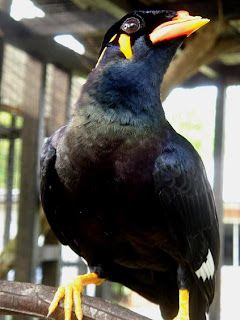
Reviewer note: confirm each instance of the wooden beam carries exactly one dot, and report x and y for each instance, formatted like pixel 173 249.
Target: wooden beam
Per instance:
pixel 106 5
pixel 9 133
pixel 11 109
pixel 191 58
pixel 207 46
pixel 43 48
pixel 208 72
pixel 204 69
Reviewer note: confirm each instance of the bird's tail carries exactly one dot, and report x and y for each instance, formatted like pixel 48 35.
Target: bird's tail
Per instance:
pixel 198 305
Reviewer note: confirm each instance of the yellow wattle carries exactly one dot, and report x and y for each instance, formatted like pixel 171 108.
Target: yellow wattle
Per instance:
pixel 125 45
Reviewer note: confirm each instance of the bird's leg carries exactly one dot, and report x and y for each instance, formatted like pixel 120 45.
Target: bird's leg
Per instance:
pixel 72 294
pixel 183 312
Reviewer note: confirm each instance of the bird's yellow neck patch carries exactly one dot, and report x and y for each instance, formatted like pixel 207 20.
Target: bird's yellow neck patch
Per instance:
pixel 113 38
pixel 100 58
pixel 125 45
pixel 104 50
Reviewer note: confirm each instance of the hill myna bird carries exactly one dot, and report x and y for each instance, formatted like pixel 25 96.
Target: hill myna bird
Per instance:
pixel 122 188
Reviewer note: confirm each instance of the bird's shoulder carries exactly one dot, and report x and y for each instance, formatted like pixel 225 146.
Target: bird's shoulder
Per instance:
pixel 181 182
pixel 48 153
pixel 178 165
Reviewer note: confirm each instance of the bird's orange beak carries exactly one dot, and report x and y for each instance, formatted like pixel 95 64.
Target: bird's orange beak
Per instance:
pixel 181 25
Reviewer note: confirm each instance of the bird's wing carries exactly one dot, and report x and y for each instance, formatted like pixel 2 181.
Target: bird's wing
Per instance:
pixel 188 202
pixel 53 195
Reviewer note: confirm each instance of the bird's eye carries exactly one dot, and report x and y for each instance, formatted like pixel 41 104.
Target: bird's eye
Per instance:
pixel 131 25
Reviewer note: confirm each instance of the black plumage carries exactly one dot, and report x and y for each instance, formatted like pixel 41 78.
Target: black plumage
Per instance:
pixel 122 188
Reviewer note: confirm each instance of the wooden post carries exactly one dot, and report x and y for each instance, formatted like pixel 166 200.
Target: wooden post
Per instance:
pixel 9 184
pixel 59 112
pixel 29 198
pixel 59 100
pixel 50 264
pixel 68 106
pixel 5 5
pixel 1 64
pixel 218 186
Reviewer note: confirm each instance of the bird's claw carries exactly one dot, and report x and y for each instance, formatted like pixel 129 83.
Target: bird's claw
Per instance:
pixel 72 294
pixel 60 293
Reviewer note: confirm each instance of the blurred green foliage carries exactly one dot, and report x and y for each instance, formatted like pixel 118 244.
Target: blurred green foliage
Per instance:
pixel 6 122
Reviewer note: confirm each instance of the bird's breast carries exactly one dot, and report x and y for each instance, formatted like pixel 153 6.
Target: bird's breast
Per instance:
pixel 114 193
pixel 115 205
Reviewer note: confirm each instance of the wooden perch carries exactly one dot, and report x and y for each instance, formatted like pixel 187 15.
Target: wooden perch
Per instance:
pixel 26 299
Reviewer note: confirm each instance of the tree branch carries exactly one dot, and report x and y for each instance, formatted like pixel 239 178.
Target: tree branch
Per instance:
pixel 205 47
pixel 191 58
pixel 25 299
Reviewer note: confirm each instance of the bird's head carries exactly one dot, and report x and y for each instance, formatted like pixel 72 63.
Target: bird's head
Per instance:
pixel 134 56
pixel 151 35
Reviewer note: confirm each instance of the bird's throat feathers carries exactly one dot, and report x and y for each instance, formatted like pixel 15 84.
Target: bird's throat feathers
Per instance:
pixel 119 107
pixel 117 111
pixel 127 92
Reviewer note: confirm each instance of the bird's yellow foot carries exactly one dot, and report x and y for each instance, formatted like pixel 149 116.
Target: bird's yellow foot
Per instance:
pixel 183 312
pixel 72 294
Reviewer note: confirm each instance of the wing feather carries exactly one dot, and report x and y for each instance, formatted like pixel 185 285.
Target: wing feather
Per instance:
pixel 53 195
pixel 182 185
